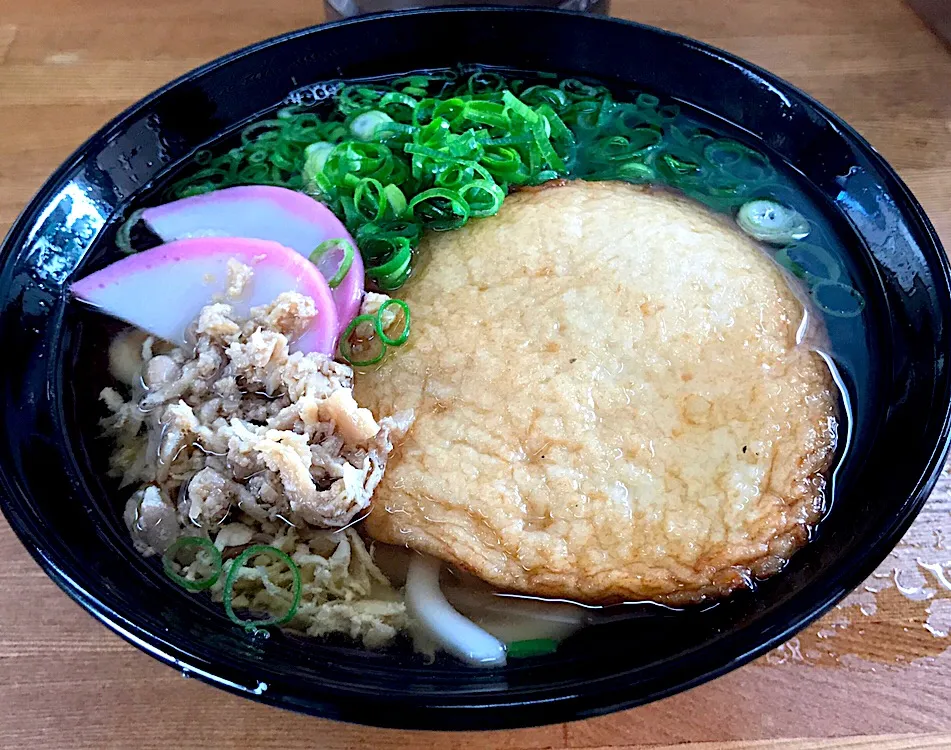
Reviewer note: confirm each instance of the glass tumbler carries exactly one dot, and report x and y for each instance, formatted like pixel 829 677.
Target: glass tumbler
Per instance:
pixel 337 9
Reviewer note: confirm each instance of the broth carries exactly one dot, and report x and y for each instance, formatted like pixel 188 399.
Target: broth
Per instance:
pixel 674 138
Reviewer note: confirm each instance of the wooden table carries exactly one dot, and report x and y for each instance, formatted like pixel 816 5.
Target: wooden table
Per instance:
pixel 875 673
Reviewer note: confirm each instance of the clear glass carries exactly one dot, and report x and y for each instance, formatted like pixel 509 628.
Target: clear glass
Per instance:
pixel 337 9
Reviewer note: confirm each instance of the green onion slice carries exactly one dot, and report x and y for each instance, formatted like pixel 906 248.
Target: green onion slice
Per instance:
pixel 484 197
pixel 390 274
pixel 530 648
pixel 370 200
pixel 647 101
pixel 399 105
pixel 438 149
pixel 232 577
pixel 556 126
pixel 124 233
pixel 359 97
pixel 484 82
pixel 680 166
pixel 203 545
pixel 486 113
pixel 809 262
pixel 636 172
pixel 333 259
pixel 440 209
pixel 365 125
pixel 345 347
pixel 541 94
pixel 403 227
pixel 575 89
pixel 837 299
pixel 378 323
pixel 395 200
pixel 737 160
pixel 773 222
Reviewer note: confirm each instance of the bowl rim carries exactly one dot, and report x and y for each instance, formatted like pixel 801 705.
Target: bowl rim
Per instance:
pixel 504 714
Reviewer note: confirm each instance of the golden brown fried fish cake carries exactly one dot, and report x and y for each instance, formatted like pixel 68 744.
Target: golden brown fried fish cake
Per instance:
pixel 610 402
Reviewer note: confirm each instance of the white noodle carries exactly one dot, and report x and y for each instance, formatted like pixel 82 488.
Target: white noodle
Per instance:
pixel 435 616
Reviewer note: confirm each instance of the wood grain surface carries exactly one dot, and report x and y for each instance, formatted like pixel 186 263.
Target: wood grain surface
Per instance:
pixel 875 674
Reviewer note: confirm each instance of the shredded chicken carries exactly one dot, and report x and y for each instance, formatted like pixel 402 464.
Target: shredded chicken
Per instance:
pixel 239 276
pixel 243 441
pixel 343 592
pixel 372 302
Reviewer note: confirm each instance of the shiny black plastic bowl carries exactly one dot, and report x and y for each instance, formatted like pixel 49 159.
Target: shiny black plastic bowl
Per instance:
pixel 51 480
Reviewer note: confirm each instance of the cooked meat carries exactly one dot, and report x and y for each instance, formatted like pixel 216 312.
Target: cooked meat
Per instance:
pixel 151 518
pixel 610 400
pixel 239 276
pixel 125 357
pixel 356 425
pixel 242 406
pixel 241 441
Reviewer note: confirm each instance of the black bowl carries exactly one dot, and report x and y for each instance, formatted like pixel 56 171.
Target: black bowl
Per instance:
pixel 53 498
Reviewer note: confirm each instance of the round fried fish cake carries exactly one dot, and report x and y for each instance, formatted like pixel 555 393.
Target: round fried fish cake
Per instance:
pixel 610 402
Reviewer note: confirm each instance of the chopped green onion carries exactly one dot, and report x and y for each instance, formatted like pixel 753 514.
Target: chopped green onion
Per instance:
pixel 522 139
pixel 487 199
pixel 316 155
pixel 539 95
pixel 486 113
pixel 232 577
pixel 423 114
pixel 359 97
pixel 636 172
pixel 502 161
pixel 440 209
pixel 378 324
pixel 772 222
pixel 395 102
pixel 262 128
pixel 370 200
pixel 345 347
pixel 333 270
pixel 365 125
pixel 575 89
pixel 679 166
pixel 556 126
pixel 519 107
pixel 737 160
pixel 450 110
pixel 204 545
pixel 634 144
pixel 394 129
pixel 583 115
pixel 530 648
pixel 837 299
pixel 370 236
pixel 395 199
pixel 124 233
pixel 810 262
pixel 434 150
pixel 541 130
pixel 391 273
pixel 647 101
pixel 485 82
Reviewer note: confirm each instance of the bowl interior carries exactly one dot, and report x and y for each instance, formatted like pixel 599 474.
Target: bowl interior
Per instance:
pixel 64 510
